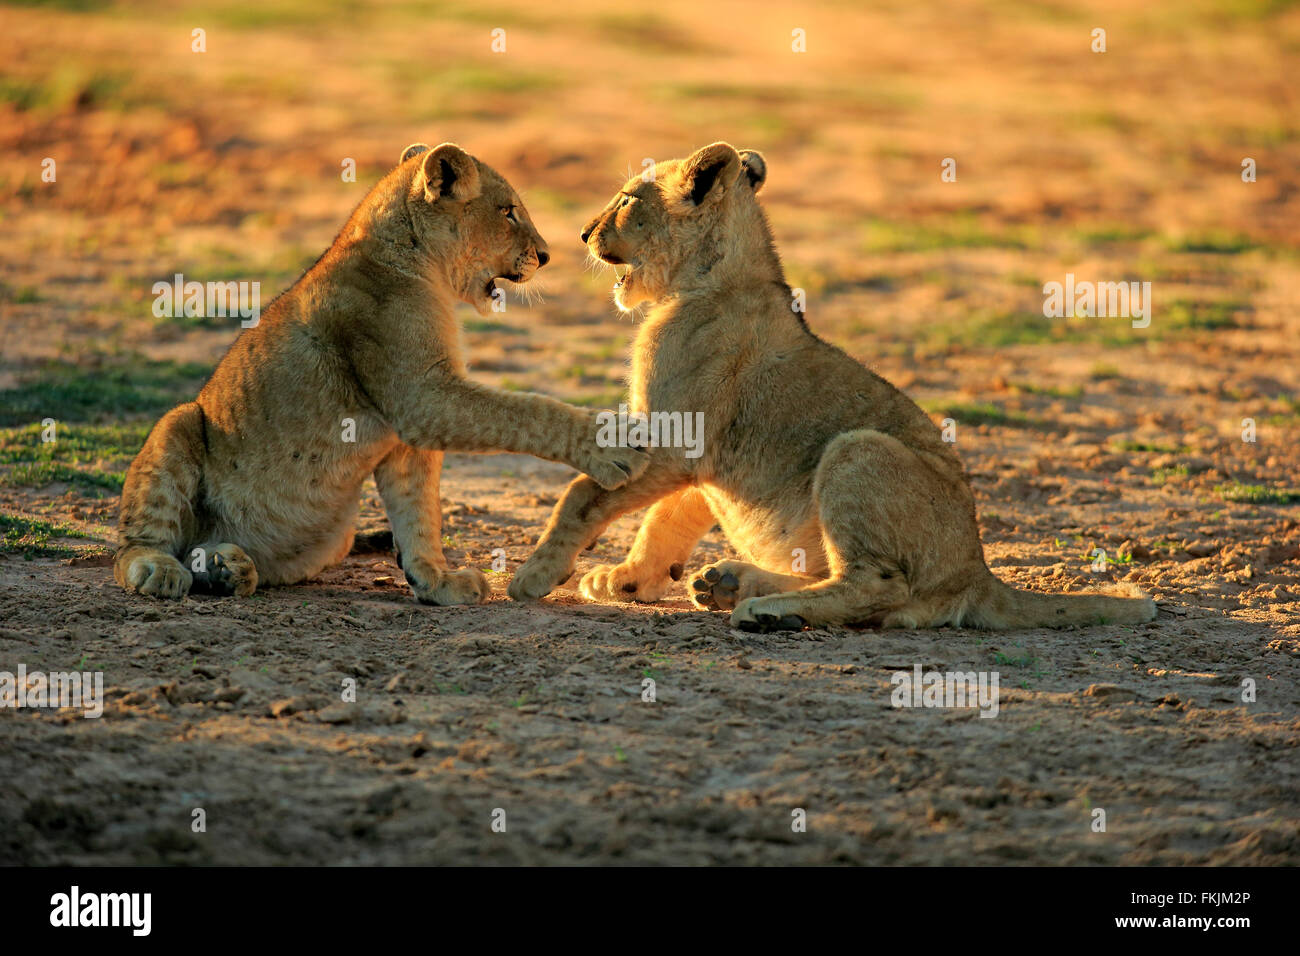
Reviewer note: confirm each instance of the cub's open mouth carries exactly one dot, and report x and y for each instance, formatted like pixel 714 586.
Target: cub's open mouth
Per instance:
pixel 622 268
pixel 491 285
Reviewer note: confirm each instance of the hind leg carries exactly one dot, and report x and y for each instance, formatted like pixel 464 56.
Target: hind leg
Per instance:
pixel 408 480
pixel 158 506
pixel 882 510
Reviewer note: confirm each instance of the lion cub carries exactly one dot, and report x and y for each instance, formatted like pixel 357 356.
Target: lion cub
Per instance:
pixel 806 452
pixel 355 369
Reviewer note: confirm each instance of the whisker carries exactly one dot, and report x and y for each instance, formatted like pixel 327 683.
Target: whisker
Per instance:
pixel 596 265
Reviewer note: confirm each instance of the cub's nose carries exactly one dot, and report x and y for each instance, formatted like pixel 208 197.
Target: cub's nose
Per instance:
pixel 585 234
pixel 542 258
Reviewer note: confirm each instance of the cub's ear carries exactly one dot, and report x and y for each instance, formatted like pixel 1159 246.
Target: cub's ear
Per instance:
pixel 755 168
pixel 415 149
pixel 708 173
pixel 450 173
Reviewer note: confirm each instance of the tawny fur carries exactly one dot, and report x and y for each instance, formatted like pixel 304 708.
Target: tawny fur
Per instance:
pixel 257 473
pixel 806 452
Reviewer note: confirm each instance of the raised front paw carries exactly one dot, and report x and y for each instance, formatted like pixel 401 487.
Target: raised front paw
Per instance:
pixel 628 582
pixel 433 585
pixel 611 466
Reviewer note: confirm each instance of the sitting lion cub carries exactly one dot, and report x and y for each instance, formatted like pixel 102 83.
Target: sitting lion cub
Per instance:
pixel 806 452
pixel 356 369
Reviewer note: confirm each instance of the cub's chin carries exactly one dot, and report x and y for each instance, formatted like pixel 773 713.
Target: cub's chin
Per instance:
pixel 629 293
pixel 484 294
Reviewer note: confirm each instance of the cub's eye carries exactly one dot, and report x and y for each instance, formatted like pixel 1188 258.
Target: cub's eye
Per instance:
pixel 509 213
pixel 624 203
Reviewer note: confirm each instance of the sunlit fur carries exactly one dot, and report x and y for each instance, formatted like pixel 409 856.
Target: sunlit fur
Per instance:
pixel 258 472
pixel 839 493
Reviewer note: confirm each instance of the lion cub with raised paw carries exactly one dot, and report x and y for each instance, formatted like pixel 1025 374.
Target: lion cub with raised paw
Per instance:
pixel 805 451
pixel 354 370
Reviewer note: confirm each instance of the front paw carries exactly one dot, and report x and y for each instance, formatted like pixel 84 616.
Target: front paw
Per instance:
pixel 721 586
pixel 231 571
pixel 432 585
pixel 536 578
pixel 628 582
pixel 610 465
pixel 159 575
pixel 715 589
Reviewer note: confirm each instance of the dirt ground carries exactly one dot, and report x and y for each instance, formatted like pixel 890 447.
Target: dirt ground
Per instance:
pixel 1079 434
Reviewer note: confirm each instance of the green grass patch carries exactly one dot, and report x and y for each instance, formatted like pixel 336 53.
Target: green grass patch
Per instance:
pixel 34 538
pixel 1258 494
pixel 1219 243
pixel 986 329
pixel 1147 446
pixel 1005 660
pixel 994 330
pixel 1107 233
pixel 298 16
pixel 1162 476
pixel 607 399
pixel 647 32
pixel 979 413
pixel 468 89
pixel 1103 371
pixel 1051 391
pixel 488 326
pixel 19 295
pixel 76 85
pixel 1290 414
pixel 90 456
pixel 743 95
pixel 69 86
pixel 1001 329
pixel 1196 314
pixel 880 236
pixel 69 392
pixel 269 14
pixel 217 265
pixel 67 6
pixel 493 81
pixel 40 474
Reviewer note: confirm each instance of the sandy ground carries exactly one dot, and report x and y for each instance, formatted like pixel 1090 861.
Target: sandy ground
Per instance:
pixel 1081 434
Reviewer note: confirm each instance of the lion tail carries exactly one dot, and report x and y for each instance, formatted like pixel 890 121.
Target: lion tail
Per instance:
pixel 999 606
